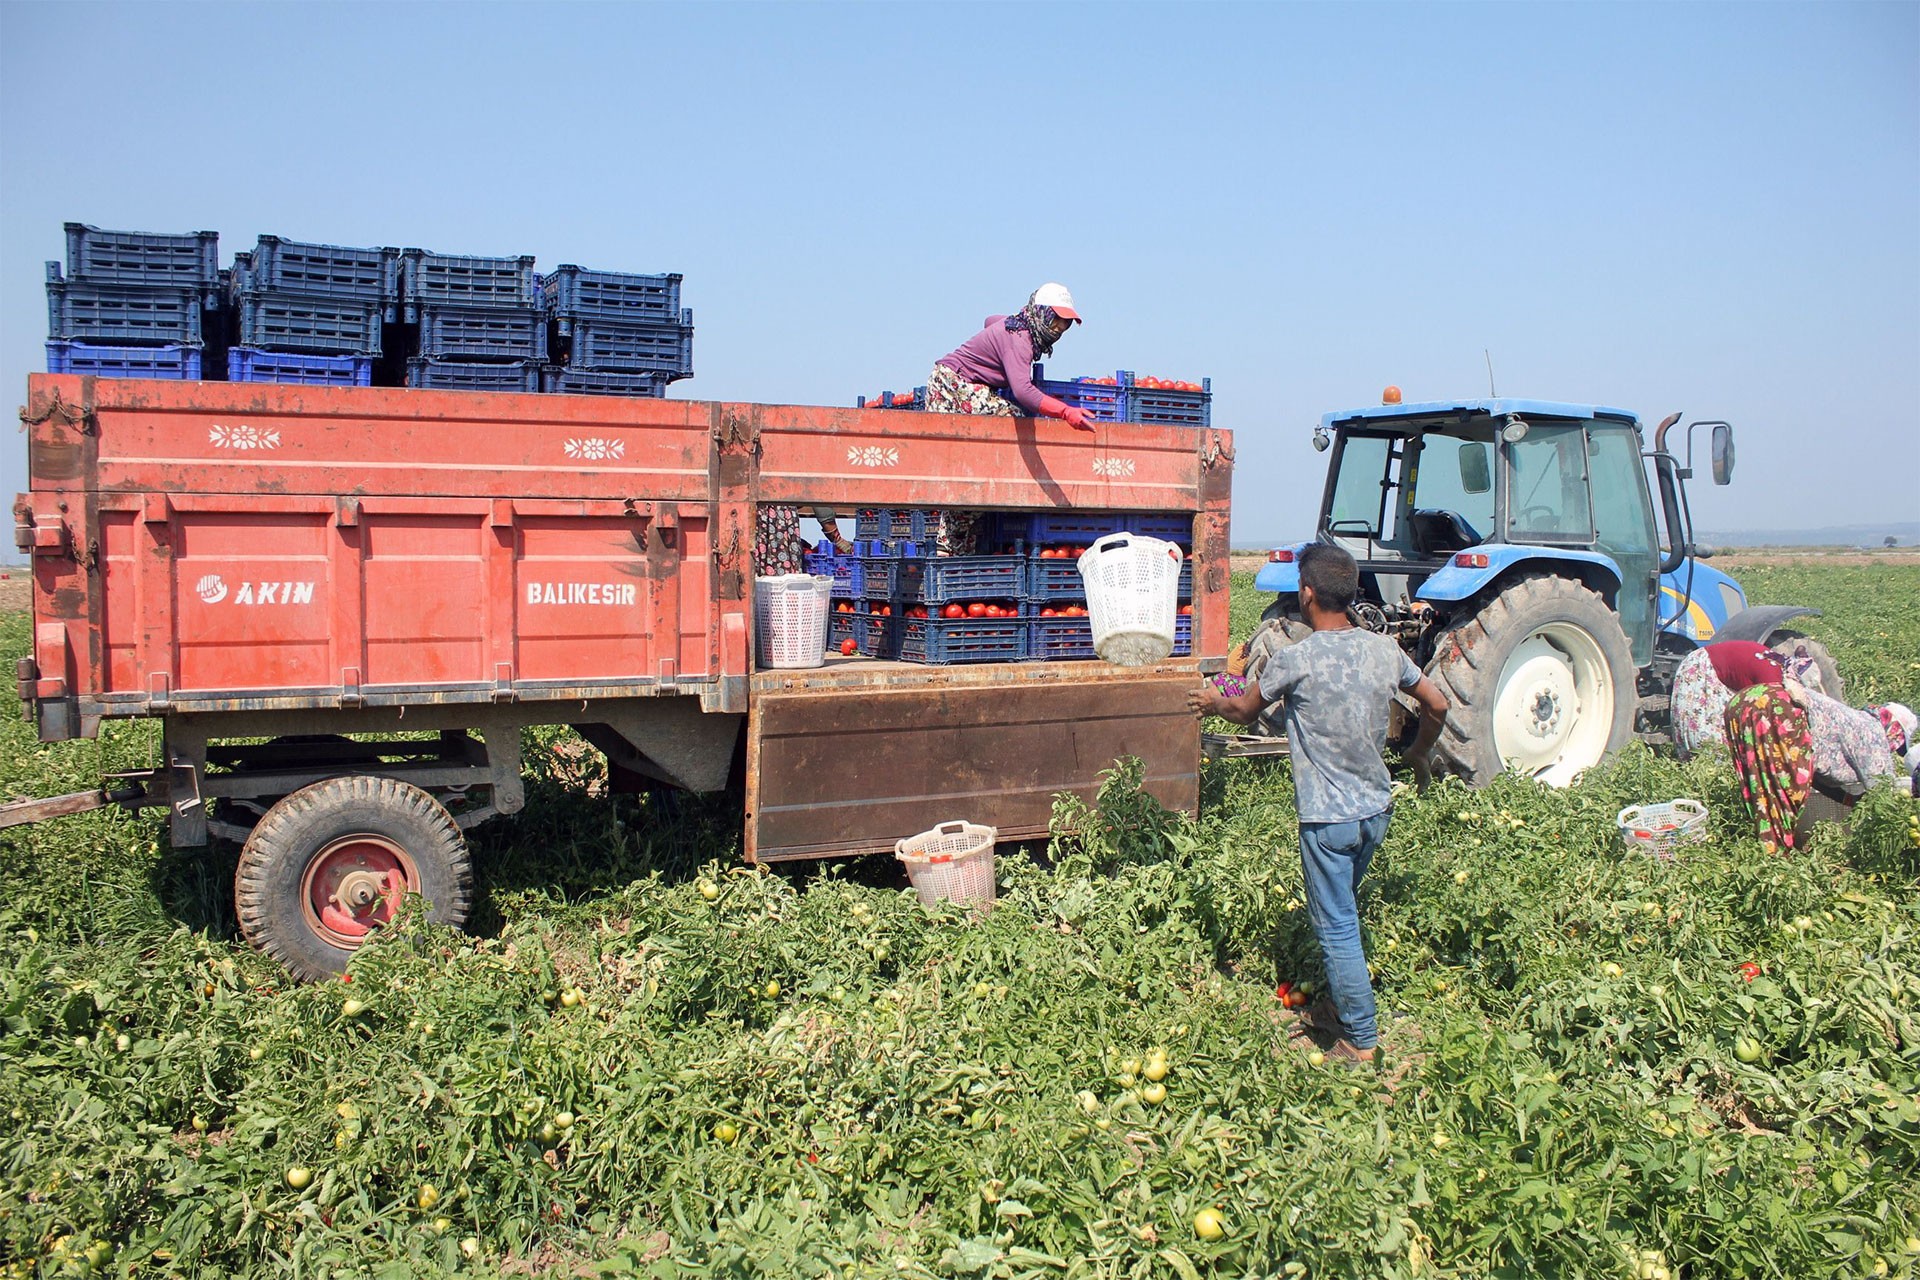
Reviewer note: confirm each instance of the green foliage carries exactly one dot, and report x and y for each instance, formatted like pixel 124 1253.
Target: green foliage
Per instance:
pixel 824 1078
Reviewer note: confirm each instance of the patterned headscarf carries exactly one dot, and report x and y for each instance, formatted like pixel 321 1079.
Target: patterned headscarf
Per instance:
pixel 1040 323
pixel 1900 724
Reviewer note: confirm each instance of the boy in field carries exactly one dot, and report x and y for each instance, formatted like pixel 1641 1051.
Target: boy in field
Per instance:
pixel 1336 685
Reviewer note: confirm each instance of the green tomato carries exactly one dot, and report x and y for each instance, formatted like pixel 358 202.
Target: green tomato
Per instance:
pixel 1746 1048
pixel 299 1177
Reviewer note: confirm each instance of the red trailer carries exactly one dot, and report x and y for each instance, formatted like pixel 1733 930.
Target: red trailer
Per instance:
pixel 345 604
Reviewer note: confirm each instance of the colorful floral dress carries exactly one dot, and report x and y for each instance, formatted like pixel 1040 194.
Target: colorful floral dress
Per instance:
pixel 948 392
pixel 1772 749
pixel 777 547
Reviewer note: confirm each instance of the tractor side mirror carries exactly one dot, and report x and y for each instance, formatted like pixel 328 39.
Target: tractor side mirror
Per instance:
pixel 1722 454
pixel 1476 474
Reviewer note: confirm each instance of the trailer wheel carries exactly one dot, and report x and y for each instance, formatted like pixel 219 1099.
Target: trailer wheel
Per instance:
pixel 329 864
pixel 1540 679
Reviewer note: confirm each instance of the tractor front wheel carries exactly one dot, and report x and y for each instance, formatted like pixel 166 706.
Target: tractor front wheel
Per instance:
pixel 329 864
pixel 1540 680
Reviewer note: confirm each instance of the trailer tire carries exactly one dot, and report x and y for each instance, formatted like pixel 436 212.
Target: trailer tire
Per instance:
pixel 1540 651
pixel 330 863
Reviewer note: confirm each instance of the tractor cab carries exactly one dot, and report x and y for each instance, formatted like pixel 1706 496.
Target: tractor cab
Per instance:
pixel 1438 500
pixel 1511 548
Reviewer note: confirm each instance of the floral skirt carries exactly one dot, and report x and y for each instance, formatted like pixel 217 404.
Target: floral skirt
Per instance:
pixel 777 547
pixel 948 392
pixel 1699 704
pixel 1773 754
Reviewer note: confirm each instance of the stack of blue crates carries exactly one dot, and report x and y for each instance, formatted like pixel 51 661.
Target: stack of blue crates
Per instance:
pixel 311 314
pixel 479 322
pixel 616 333
pixel 133 304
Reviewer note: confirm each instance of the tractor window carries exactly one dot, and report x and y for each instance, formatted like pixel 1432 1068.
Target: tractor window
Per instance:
pixel 1360 490
pixel 1439 488
pixel 1623 524
pixel 1547 497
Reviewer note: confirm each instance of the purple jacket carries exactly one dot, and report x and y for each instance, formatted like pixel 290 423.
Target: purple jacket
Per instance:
pixel 995 357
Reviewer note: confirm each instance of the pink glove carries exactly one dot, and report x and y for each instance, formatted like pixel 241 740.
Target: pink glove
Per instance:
pixel 1068 414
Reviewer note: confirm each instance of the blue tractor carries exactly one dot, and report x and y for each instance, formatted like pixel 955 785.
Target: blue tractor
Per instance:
pixel 1511 547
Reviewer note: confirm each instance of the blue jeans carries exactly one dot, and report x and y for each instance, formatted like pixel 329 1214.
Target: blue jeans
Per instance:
pixel 1333 858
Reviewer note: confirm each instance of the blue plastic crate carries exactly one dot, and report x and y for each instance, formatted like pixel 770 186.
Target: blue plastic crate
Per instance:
pixel 1061 580
pixel 465 281
pixel 877 636
pixel 840 629
pixel 561 380
pixel 848 573
pixel 175 363
pixel 574 292
pixel 273 321
pixel 932 580
pixel 1178 408
pixel 896 524
pixel 949 640
pixel 1100 402
pixel 458 375
pixel 121 314
pixel 1079 528
pixel 632 348
pixel 246 364
pixel 1071 639
pixel 894 400
pixel 187 261
pixel 1059 639
pixel 328 270
pixel 482 333
pixel 890 548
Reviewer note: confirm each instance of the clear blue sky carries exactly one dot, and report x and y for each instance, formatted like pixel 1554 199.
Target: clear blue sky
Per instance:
pixel 1705 207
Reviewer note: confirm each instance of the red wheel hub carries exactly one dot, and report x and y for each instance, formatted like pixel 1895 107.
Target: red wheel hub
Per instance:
pixel 355 885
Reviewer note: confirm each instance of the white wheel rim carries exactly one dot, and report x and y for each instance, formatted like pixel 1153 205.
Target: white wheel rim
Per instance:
pixel 1553 712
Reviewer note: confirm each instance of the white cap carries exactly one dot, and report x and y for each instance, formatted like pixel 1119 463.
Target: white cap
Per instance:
pixel 1055 296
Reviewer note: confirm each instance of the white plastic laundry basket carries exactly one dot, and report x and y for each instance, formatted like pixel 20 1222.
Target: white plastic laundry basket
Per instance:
pixel 1133 597
pixel 790 619
pixel 951 863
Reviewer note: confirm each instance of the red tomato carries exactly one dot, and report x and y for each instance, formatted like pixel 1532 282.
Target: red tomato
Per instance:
pixel 1280 992
pixel 976 610
pixel 1186 610
pixel 848 646
pixel 1049 613
pixel 1749 971
pixel 953 611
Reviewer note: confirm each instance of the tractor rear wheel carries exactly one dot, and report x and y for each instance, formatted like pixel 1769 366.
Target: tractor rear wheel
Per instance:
pixel 1279 629
pixel 1540 680
pixel 329 864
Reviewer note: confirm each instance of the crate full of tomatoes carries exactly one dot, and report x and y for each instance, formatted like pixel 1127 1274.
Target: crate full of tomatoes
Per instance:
pixel 1168 400
pixel 964 631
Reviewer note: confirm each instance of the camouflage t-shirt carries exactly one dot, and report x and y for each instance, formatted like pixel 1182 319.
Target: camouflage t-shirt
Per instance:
pixel 1335 686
